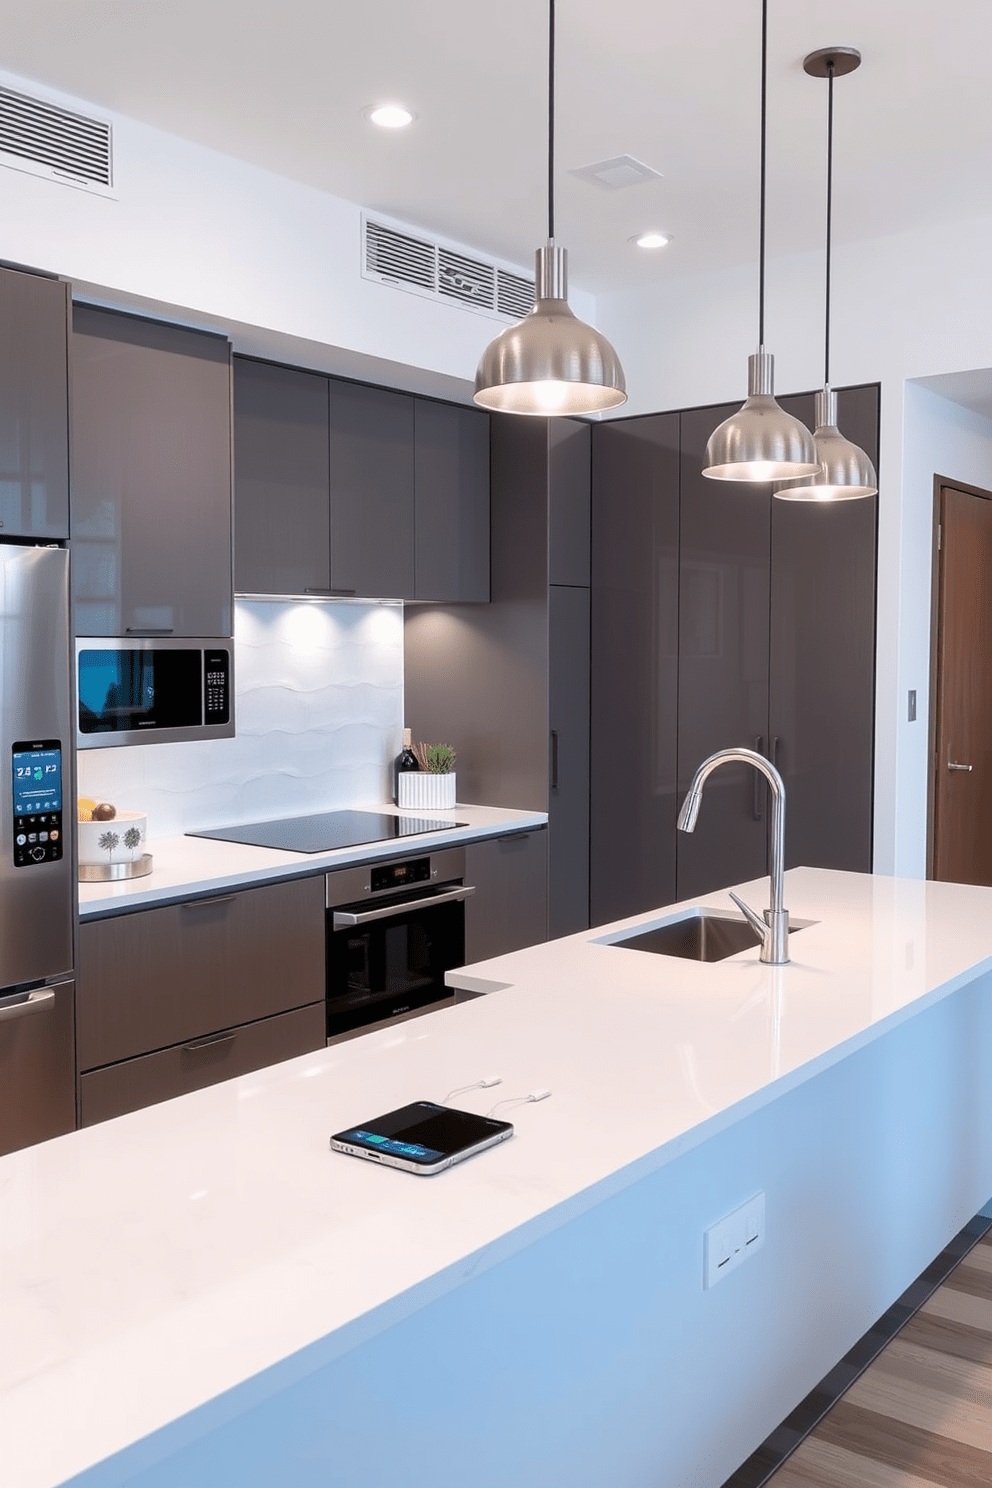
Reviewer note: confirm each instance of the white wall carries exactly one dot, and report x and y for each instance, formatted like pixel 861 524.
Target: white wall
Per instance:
pixel 904 307
pixel 319 709
pixel 939 438
pixel 237 247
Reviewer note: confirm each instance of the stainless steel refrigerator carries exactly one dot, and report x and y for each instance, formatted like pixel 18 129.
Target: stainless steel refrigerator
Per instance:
pixel 37 875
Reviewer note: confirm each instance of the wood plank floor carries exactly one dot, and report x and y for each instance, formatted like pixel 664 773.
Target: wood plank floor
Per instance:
pixel 920 1416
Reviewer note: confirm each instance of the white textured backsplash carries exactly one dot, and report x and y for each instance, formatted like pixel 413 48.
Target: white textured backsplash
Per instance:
pixel 319 699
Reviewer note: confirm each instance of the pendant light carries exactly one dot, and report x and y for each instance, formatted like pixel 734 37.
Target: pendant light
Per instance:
pixel 550 362
pixel 845 470
pixel 761 442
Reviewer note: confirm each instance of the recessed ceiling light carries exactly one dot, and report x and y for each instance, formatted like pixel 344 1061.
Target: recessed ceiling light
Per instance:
pixel 389 115
pixel 652 240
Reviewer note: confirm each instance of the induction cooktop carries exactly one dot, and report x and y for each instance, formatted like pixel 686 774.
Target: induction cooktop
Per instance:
pixel 327 830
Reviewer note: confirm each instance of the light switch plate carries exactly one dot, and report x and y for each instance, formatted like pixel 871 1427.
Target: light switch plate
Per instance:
pixel 729 1242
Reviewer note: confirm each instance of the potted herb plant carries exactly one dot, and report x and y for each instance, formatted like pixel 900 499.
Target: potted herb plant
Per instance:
pixel 433 785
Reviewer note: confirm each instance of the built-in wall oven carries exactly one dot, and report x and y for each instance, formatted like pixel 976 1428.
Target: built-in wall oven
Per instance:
pixel 394 927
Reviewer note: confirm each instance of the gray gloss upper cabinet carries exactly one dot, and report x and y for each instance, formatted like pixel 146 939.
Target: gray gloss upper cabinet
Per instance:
pixel 281 475
pixel 34 406
pixel 372 491
pixel 151 472
pixel 451 454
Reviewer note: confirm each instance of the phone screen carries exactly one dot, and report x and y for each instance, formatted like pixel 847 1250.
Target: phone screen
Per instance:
pixel 423 1133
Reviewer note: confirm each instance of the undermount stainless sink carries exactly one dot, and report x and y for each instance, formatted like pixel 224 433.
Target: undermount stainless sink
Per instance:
pixel 700 935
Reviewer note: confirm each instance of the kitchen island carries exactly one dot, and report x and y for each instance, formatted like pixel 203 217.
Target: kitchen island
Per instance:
pixel 201 1293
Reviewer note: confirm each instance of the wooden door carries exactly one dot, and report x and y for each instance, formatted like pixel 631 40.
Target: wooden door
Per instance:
pixel 962 794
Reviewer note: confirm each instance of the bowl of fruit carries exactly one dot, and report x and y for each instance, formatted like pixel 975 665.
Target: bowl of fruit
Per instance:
pixel 111 842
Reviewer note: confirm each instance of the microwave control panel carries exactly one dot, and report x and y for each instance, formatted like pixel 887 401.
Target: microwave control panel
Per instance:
pixel 216 687
pixel 37 801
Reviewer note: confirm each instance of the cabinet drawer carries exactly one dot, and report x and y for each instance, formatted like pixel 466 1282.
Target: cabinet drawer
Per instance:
pixel 160 977
pixel 157 1077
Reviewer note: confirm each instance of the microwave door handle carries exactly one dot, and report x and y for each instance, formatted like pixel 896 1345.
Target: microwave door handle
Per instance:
pixel 149 630
pixel 343 920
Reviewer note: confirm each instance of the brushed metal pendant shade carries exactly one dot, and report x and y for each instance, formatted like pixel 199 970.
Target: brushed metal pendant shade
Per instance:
pixel 761 442
pixel 550 362
pixel 845 472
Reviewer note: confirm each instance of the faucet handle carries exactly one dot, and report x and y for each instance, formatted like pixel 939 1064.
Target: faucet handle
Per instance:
pixel 754 920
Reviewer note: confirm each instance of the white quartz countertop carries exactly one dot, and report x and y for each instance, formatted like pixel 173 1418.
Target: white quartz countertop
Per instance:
pixel 186 866
pixel 151 1263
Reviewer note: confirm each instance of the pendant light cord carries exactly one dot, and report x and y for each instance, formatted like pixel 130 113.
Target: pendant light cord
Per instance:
pixel 551 121
pixel 761 235
pixel 830 194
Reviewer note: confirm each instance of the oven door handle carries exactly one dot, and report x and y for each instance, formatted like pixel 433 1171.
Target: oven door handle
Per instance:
pixel 343 920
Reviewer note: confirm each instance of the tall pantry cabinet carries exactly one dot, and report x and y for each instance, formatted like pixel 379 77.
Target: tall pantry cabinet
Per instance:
pixel 722 617
pixel 507 683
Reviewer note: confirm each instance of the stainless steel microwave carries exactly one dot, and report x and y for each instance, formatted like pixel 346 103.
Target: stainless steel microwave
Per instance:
pixel 161 690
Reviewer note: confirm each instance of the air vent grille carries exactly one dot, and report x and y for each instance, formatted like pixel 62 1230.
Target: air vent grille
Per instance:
pixel 395 255
pixel 69 144
pixel 514 294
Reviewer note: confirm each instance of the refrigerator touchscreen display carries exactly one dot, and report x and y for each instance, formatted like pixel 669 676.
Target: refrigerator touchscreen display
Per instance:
pixel 37 782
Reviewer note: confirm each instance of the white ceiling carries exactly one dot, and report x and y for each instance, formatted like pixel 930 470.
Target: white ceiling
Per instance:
pixel 671 82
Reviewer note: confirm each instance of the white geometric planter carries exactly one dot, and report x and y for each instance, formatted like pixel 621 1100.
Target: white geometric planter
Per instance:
pixel 419 789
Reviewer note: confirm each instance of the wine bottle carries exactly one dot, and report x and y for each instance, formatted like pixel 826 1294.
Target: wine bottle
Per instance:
pixel 404 761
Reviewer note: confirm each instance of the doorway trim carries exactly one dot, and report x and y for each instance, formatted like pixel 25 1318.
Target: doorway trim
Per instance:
pixel 939 483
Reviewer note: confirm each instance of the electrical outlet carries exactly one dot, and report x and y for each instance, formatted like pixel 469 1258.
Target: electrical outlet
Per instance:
pixel 733 1239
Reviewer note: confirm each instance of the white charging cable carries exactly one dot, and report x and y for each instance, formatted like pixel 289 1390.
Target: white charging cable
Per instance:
pixel 486 1083
pixel 519 1100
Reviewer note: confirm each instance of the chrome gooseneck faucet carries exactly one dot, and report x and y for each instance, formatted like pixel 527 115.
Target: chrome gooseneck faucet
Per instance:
pixel 774 928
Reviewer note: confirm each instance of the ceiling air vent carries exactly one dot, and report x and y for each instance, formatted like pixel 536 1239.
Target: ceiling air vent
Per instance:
pixel 394 254
pixel 65 146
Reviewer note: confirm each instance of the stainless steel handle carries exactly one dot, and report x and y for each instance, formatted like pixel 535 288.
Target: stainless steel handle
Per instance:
pixel 332 593
pixel 149 630
pixel 343 920
pixel 756 811
pixel 35 1002
pixel 205 903
pixel 554 759
pixel 209 1043
pixel 953 765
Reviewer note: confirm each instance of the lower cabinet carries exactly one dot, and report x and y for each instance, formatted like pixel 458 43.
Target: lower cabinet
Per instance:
pixel 133 1083
pixel 509 908
pixel 175 998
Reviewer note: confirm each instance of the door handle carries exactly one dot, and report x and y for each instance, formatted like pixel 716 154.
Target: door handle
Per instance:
pixel 35 1002
pixel 344 919
pixel 330 593
pixel 776 741
pixel 756 809
pixel 953 765
pixel 149 630
pixel 554 759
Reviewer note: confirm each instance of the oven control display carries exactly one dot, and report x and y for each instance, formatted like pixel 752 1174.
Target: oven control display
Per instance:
pixel 398 875
pixel 37 801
